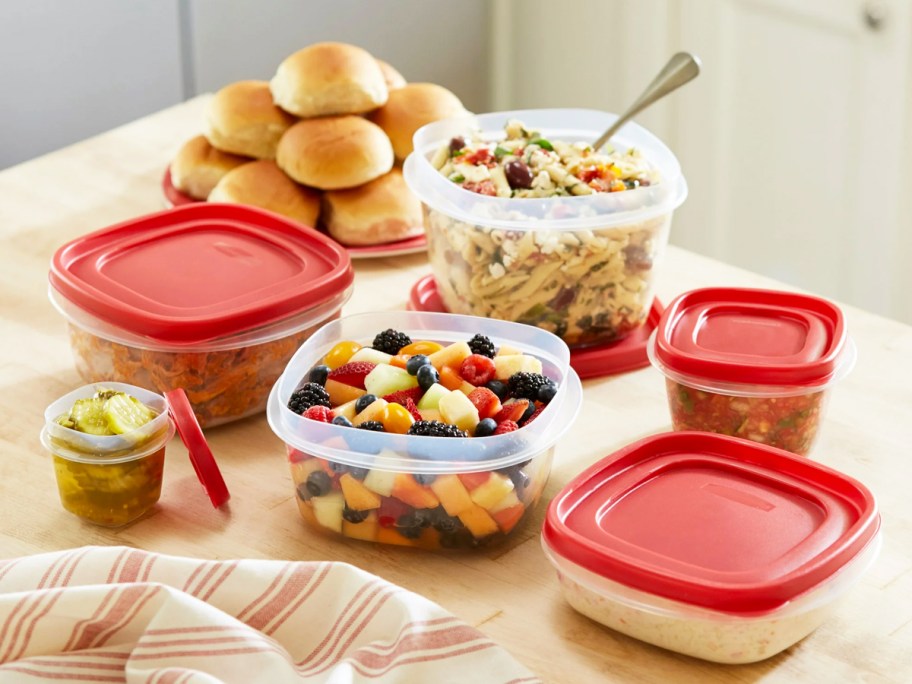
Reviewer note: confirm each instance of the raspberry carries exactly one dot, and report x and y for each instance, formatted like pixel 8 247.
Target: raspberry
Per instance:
pixel 481 344
pixel 506 426
pixel 391 341
pixel 309 395
pixel 477 369
pixel 322 414
pixel 352 373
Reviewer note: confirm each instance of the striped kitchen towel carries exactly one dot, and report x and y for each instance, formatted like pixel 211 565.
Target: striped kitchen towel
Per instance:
pixel 114 614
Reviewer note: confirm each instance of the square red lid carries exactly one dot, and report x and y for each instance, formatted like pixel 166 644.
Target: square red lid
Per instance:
pixel 200 272
pixel 712 521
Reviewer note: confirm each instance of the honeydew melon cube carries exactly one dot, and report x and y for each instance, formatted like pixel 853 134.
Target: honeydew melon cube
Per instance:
pixel 347 409
pixel 374 411
pixel 328 510
pixel 505 366
pixel 452 355
pixel 380 482
pixel 371 355
pixel 492 491
pixel 456 408
pixel 385 380
pixel 507 350
pixel 431 398
pixel 508 501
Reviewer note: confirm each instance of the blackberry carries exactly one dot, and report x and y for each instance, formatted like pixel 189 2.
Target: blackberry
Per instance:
pixel 372 425
pixel 526 385
pixel 391 341
pixel 309 395
pixel 434 428
pixel 481 344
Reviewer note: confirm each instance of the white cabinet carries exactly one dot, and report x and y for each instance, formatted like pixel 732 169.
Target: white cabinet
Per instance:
pixel 793 139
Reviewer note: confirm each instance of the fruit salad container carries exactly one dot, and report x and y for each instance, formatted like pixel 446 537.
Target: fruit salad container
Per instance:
pixel 582 266
pixel 751 363
pixel 712 546
pixel 108 479
pixel 210 298
pixel 423 429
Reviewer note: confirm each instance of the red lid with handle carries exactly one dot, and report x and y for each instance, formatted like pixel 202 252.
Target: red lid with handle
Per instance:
pixel 712 521
pixel 751 336
pixel 200 272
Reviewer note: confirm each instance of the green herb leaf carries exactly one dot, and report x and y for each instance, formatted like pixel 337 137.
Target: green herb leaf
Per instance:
pixel 544 144
pixel 457 178
pixel 501 152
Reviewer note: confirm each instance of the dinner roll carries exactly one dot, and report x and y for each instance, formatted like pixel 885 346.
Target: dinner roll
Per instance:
pixel 329 78
pixel 335 152
pixel 198 166
pixel 243 119
pixel 392 77
pixel 384 210
pixel 411 107
pixel 263 184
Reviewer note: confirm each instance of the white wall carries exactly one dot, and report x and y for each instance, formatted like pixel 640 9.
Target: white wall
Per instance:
pixel 71 69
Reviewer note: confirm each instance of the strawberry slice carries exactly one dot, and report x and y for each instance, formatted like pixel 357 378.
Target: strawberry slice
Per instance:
pixel 513 411
pixel 486 402
pixel 352 373
pixel 413 393
pixel 412 408
pixel 506 426
pixel 536 414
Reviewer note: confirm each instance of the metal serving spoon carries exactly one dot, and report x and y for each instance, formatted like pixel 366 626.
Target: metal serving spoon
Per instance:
pixel 681 68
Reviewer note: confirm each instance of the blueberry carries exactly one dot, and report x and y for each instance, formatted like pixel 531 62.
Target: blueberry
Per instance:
pixel 546 392
pixel 530 409
pixel 318 374
pixel 318 483
pixel 357 473
pixel 415 362
pixel 353 516
pixel 485 428
pixel 364 401
pixel 520 480
pixel 424 478
pixel 337 467
pixel 499 388
pixel 342 420
pixel 427 375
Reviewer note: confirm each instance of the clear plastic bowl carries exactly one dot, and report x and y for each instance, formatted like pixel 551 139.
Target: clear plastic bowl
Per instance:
pixel 433 492
pixel 581 267
pixel 108 480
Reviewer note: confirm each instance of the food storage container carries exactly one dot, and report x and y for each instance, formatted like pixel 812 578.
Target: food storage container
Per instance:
pixel 712 546
pixel 211 298
pixel 751 363
pixel 582 267
pixel 424 491
pixel 111 480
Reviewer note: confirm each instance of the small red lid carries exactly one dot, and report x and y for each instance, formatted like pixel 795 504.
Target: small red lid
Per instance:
pixel 712 521
pixel 200 272
pixel 201 457
pixel 749 336
pixel 589 362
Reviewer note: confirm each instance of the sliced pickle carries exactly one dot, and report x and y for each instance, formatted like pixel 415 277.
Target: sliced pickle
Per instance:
pixel 88 415
pixel 124 413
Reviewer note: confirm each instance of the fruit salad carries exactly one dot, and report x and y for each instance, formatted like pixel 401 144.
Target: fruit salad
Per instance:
pixel 108 449
pixel 421 389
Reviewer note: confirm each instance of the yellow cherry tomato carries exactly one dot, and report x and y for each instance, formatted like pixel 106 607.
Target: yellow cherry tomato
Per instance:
pixel 421 347
pixel 340 354
pixel 397 419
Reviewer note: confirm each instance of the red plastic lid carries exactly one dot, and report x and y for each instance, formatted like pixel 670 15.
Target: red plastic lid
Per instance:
pixel 201 457
pixel 173 196
pixel 589 362
pixel 200 272
pixel 712 521
pixel 765 337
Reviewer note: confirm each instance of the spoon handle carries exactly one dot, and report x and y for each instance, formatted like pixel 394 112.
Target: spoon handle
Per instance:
pixel 681 68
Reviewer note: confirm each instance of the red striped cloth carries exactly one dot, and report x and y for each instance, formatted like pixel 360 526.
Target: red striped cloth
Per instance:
pixel 114 614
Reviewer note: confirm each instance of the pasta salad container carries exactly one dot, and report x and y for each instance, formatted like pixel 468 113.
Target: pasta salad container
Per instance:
pixel 211 298
pixel 405 428
pixel 526 223
pixel 758 364
pixel 712 546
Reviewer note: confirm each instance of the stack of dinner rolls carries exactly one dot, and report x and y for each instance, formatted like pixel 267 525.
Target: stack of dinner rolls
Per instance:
pixel 321 143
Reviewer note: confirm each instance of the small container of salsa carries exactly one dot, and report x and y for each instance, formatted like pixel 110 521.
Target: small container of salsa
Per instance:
pixel 751 363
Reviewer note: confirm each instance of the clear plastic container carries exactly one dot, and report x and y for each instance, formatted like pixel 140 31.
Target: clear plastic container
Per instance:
pixel 711 546
pixel 582 267
pixel 427 492
pixel 210 298
pixel 757 364
pixel 108 480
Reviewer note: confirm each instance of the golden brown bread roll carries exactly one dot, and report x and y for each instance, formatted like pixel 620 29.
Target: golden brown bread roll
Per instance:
pixel 393 78
pixel 384 210
pixel 243 119
pixel 329 78
pixel 263 184
pixel 198 166
pixel 411 107
pixel 335 152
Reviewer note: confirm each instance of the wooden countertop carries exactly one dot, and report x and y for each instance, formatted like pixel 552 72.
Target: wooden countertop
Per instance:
pixel 511 593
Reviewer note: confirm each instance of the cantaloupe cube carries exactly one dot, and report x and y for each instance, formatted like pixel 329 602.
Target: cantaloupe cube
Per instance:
pixel 507 518
pixel 452 355
pixel 374 411
pixel 492 491
pixel 429 414
pixel 452 494
pixel 407 490
pixel 340 393
pixel 357 496
pixel 472 480
pixel 347 409
pixel 478 522
pixel 366 530
pixel 390 535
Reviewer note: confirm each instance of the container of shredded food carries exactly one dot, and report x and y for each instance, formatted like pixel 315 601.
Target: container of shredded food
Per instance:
pixel 526 222
pixel 757 364
pixel 712 546
pixel 211 298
